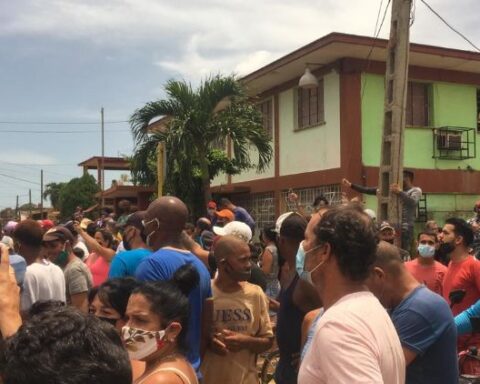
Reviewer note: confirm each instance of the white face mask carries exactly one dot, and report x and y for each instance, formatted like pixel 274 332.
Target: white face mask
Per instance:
pixel 140 343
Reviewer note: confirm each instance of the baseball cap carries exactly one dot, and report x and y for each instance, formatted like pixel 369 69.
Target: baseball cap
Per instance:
pixel 279 222
pixel 385 225
pixel 58 233
pixel 135 220
pixel 47 224
pixel 235 228
pixel 84 223
pixel 212 205
pixel 10 226
pixel 225 214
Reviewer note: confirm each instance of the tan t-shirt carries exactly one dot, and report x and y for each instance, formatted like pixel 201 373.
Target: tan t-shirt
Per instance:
pixel 244 311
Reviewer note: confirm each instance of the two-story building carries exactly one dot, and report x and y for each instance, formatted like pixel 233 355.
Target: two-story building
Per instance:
pixel 323 134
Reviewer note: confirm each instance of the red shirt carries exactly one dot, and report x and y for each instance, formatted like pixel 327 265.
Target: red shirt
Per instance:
pixel 464 275
pixel 430 275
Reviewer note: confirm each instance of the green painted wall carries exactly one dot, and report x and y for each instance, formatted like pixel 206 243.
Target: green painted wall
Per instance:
pixel 451 104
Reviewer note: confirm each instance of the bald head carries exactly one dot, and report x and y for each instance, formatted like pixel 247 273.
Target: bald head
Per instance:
pixel 170 212
pixel 229 246
pixel 388 258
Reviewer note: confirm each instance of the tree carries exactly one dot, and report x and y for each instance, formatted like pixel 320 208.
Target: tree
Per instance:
pixel 195 132
pixel 79 191
pixel 52 191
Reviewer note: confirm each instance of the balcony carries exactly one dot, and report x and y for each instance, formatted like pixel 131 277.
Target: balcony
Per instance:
pixel 454 143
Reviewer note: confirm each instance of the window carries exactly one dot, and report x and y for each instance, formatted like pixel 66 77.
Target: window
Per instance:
pixel 418 105
pixel 310 111
pixel 266 109
pixel 478 110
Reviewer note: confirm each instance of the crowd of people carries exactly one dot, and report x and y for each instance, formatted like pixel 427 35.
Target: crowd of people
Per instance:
pixel 146 297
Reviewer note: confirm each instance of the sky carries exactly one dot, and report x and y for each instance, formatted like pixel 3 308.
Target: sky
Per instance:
pixel 62 60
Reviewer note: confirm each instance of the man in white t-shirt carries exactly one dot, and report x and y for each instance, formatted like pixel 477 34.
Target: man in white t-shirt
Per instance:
pixel 43 279
pixel 355 340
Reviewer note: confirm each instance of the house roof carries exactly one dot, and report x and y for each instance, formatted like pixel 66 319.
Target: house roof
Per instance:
pixel 125 191
pixel 110 163
pixel 335 46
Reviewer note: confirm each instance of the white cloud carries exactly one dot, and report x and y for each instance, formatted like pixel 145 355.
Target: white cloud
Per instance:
pixel 191 38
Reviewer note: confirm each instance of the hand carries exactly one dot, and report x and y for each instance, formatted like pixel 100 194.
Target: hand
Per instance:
pixel 346 183
pixel 395 188
pixel 77 227
pixel 235 341
pixel 218 346
pixel 10 319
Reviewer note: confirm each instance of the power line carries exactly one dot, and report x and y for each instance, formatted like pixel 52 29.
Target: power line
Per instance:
pixel 18 178
pixel 376 33
pixel 61 132
pixel 62 123
pixel 449 26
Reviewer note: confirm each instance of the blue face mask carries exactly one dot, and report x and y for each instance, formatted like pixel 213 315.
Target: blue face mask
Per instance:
pixel 425 250
pixel 300 263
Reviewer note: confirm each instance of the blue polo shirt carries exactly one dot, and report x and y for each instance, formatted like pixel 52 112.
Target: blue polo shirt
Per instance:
pixel 126 262
pixel 161 266
pixel 425 325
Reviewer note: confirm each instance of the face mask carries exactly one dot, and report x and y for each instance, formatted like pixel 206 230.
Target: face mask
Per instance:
pixel 426 250
pixel 237 275
pixel 140 344
pixel 307 275
pixel 108 320
pixel 447 248
pixel 300 258
pixel 61 259
pixel 149 236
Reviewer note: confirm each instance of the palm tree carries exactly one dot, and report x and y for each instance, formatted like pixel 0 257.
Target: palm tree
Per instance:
pixel 194 129
pixel 52 190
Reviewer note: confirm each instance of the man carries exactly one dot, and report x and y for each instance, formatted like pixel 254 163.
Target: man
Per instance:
pixel 203 224
pixel 127 262
pixel 410 196
pixel 211 209
pixel 296 298
pixel 387 233
pixel 78 279
pixel 43 279
pixel 424 267
pixel 241 213
pixel 224 217
pixel 355 340
pixel 164 221
pixel 422 319
pixel 125 207
pixel 475 223
pixel 461 284
pixel 240 326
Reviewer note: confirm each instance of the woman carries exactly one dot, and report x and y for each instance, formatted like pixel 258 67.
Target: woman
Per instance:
pixel 156 329
pixel 109 303
pixel 270 263
pixel 101 253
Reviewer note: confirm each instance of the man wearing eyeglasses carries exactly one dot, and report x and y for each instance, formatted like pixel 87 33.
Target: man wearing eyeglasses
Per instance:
pixel 164 222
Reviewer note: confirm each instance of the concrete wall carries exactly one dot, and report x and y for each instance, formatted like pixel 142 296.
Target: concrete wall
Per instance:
pixel 315 148
pixel 451 105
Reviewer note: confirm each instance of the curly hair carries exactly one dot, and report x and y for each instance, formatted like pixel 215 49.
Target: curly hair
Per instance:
pixel 352 237
pixel 64 346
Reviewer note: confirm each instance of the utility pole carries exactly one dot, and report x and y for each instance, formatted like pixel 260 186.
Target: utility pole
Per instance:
pixel 30 203
pixel 396 82
pixel 41 194
pixel 102 173
pixel 17 214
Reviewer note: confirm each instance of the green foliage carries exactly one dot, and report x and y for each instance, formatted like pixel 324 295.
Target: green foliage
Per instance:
pixel 52 191
pixel 194 130
pixel 79 191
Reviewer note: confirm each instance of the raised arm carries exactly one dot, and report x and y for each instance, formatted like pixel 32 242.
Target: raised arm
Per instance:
pixel 360 188
pixel 107 253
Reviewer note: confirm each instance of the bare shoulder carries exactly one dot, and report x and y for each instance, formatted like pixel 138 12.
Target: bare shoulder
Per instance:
pixel 167 374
